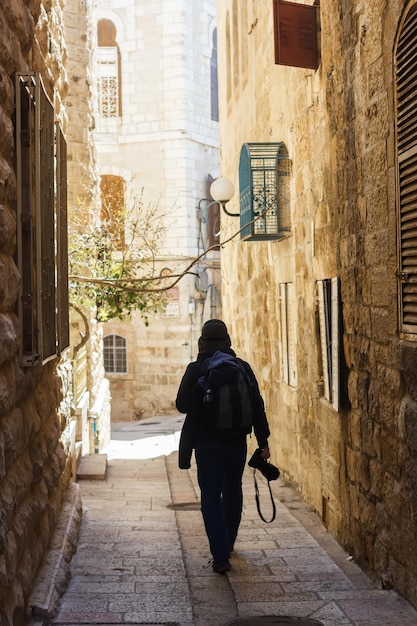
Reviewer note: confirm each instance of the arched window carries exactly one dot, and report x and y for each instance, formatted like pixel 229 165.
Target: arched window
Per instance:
pixel 115 354
pixel 214 82
pixel 108 70
pixel 406 117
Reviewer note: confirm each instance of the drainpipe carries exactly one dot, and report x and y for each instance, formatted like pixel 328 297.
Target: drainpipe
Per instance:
pixel 213 301
pixel 93 432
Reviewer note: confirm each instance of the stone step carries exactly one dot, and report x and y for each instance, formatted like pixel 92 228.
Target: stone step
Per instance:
pixel 92 467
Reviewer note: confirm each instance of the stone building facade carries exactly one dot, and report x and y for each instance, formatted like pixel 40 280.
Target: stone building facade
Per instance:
pixel 91 389
pixel 319 292
pixel 157 133
pixel 44 113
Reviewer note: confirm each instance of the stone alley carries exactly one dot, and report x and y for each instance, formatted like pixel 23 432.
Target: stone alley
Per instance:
pixel 143 556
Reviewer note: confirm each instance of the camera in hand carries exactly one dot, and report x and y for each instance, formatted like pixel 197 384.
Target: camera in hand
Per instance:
pixel 267 469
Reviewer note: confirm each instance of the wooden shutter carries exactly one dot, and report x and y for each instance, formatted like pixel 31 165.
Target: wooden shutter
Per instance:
pixel 406 75
pixel 29 349
pixel 35 169
pixel 295 32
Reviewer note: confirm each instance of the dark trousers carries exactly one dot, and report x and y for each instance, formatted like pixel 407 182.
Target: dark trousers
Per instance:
pixel 220 466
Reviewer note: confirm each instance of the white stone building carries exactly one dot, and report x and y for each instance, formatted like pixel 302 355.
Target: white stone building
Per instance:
pixel 157 139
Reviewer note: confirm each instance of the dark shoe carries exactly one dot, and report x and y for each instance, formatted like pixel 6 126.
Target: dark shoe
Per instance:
pixel 221 567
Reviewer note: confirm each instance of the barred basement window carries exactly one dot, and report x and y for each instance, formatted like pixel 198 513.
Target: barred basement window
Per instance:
pixel 115 354
pixel 328 296
pixel 264 182
pixel 406 77
pixel 42 231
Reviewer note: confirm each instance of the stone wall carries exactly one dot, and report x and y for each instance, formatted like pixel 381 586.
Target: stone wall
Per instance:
pixel 353 465
pixel 35 402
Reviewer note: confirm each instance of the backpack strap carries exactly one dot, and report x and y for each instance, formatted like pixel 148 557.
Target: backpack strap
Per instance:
pixel 258 506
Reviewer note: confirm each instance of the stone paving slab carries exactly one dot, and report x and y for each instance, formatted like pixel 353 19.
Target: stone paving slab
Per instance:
pixel 129 566
pixel 92 467
pixel 143 562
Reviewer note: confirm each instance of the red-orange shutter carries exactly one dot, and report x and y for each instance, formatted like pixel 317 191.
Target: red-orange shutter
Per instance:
pixel 295 31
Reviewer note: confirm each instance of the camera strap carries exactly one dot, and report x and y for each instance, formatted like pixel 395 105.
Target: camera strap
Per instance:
pixel 258 505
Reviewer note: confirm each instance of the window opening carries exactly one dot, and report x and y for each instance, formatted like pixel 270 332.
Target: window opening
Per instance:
pixel 288 334
pixel 328 296
pixel 108 71
pixel 115 354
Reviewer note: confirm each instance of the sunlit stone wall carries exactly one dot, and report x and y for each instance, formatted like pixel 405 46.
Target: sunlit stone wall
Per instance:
pixel 36 437
pixel 356 464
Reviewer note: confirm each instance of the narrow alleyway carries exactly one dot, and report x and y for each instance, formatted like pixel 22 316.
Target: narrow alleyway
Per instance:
pixel 143 556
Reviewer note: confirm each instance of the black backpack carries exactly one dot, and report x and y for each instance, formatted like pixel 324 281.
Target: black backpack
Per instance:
pixel 227 406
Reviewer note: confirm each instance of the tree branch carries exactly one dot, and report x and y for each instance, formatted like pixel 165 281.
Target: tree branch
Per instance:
pixel 125 284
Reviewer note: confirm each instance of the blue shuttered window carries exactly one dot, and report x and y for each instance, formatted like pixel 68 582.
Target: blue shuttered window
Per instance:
pixel 264 182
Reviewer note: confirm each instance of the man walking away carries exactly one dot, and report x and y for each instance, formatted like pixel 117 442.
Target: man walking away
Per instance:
pixel 220 395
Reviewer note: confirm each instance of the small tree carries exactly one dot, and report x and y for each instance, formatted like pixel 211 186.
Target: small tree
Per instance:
pixel 109 257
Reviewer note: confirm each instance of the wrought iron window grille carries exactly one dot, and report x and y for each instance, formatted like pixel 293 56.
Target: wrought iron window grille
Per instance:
pixel 264 174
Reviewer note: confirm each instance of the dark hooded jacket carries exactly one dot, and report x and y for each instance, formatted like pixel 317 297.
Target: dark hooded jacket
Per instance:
pixel 189 401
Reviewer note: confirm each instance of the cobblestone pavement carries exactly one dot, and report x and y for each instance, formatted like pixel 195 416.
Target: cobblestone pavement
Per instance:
pixel 143 556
